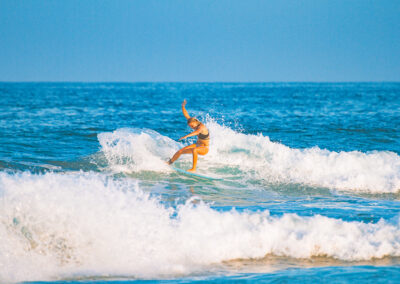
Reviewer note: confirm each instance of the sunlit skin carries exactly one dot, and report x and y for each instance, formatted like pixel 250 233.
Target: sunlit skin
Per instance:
pixel 201 147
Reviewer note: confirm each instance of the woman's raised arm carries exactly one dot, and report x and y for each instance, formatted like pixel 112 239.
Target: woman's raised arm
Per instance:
pixel 185 113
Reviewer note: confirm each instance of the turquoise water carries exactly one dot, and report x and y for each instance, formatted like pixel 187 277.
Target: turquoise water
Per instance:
pixel 309 189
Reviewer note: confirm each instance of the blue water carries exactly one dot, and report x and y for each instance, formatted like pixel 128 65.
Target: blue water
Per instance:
pixel 309 189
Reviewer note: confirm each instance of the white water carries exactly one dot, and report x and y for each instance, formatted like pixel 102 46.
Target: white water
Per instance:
pixel 258 158
pixel 133 150
pixel 87 224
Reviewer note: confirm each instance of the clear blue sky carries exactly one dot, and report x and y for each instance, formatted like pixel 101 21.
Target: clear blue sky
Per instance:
pixel 201 40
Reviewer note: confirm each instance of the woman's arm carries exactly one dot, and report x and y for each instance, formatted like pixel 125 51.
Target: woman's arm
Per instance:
pixel 194 133
pixel 185 113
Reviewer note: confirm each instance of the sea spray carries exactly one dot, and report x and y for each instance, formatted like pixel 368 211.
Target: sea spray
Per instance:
pixel 132 150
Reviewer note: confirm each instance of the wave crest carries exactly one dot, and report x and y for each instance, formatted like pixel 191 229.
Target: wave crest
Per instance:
pixel 258 158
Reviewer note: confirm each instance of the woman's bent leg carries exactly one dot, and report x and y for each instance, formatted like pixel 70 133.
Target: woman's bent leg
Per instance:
pixel 199 150
pixel 185 150
pixel 193 169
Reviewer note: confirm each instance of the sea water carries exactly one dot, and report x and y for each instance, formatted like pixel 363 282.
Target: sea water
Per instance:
pixel 310 188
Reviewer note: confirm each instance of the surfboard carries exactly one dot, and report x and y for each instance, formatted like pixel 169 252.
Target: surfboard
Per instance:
pixel 194 174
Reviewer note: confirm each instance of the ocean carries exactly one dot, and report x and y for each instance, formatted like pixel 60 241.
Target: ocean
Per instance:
pixel 309 187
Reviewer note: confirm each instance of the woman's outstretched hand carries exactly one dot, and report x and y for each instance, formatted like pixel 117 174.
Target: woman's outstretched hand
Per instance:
pixel 184 102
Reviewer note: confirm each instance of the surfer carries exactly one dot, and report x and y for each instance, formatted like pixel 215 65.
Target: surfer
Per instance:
pixel 203 140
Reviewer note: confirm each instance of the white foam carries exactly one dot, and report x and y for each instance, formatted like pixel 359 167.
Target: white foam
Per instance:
pixel 376 171
pixel 132 150
pixel 259 158
pixel 54 226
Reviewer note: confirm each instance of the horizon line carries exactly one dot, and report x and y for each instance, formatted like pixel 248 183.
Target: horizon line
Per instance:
pixel 197 82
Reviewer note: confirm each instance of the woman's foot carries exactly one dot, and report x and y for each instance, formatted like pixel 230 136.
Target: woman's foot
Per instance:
pixel 169 162
pixel 191 170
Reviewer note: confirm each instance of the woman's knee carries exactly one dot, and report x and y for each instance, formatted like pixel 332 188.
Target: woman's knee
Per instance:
pixel 202 151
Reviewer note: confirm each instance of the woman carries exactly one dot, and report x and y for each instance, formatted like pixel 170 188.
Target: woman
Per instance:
pixel 203 140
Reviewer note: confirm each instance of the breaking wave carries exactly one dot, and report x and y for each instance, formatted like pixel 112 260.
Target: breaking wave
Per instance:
pixel 55 226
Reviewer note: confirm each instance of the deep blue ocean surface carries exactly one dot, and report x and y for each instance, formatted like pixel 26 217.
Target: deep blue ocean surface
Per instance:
pixel 310 188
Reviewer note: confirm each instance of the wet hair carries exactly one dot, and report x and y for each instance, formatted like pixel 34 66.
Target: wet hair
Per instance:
pixel 193 119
